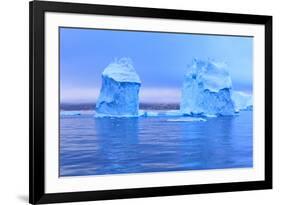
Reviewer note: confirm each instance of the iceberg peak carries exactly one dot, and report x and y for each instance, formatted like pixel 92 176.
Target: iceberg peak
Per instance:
pixel 121 70
pixel 119 94
pixel 242 101
pixel 207 89
pixel 213 75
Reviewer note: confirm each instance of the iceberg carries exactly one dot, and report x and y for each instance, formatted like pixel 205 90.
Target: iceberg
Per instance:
pixel 242 101
pixel 119 94
pixel 70 113
pixel 160 113
pixel 207 89
pixel 76 112
pixel 187 119
pixel 150 114
pixel 173 113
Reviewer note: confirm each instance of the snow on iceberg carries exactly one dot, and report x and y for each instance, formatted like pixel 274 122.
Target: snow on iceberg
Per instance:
pixel 119 94
pixel 207 89
pixel 242 101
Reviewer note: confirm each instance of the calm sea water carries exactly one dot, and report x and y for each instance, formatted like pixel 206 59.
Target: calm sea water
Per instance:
pixel 95 146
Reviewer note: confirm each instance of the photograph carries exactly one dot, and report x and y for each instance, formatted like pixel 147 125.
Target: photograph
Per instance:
pixel 136 101
pixel 133 102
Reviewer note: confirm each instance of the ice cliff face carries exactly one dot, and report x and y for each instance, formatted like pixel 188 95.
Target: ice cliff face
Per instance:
pixel 119 94
pixel 207 89
pixel 242 101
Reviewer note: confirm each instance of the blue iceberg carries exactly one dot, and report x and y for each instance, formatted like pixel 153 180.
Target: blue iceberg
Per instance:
pixel 119 94
pixel 187 119
pixel 207 89
pixel 242 101
pixel 76 112
pixel 160 113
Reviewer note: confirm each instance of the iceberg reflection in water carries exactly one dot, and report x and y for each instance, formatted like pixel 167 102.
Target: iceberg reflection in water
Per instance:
pixel 96 146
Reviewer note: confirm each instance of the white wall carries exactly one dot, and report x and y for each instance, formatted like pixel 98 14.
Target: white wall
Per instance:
pixel 14 100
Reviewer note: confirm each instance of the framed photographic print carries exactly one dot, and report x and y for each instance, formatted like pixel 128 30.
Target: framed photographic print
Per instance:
pixel 140 102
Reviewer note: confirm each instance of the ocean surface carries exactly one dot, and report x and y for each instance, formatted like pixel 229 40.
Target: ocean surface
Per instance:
pixel 98 146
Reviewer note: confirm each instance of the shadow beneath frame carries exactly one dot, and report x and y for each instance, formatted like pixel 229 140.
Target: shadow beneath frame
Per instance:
pixel 23 198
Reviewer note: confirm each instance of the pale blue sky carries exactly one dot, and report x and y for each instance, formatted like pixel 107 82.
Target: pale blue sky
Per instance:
pixel 160 59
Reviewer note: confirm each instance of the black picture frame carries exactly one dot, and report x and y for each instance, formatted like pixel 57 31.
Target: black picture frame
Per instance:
pixel 37 10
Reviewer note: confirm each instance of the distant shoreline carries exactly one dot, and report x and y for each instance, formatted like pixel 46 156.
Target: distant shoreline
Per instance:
pixel 143 106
